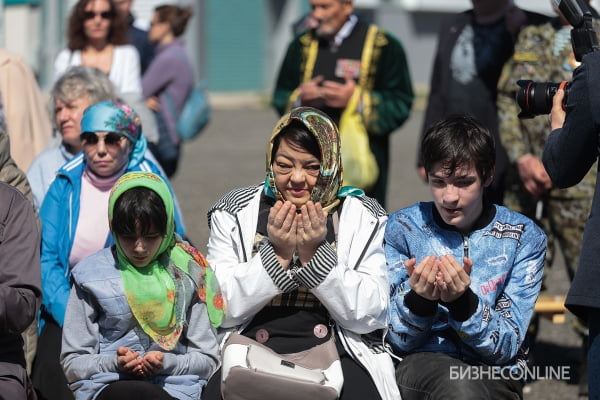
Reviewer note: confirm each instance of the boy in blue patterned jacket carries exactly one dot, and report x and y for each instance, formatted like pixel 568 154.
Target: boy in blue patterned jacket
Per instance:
pixel 464 275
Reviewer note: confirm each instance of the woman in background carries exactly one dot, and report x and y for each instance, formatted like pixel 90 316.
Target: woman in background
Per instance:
pixel 168 80
pixel 77 89
pixel 97 37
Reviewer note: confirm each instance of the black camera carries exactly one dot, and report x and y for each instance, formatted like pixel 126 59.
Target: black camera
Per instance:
pixel 535 98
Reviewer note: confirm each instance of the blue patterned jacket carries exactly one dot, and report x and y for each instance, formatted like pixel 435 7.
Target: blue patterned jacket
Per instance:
pixel 488 324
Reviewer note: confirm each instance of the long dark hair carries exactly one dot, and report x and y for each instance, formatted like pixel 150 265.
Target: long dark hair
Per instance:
pixel 117 34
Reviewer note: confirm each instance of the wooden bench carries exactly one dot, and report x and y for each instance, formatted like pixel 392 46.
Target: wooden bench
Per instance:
pixel 551 307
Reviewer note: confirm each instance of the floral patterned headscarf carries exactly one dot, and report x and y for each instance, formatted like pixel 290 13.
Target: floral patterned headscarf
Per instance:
pixel 328 188
pixel 112 116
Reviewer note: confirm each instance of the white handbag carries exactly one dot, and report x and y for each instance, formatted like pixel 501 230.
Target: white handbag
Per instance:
pixel 252 371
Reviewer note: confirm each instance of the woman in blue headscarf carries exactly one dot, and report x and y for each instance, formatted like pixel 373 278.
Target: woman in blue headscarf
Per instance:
pixel 73 217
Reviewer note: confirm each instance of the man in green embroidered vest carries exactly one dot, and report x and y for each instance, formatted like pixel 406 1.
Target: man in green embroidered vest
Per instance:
pixel 341 57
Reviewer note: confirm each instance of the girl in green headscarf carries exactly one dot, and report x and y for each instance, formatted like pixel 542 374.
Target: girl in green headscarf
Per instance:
pixel 143 310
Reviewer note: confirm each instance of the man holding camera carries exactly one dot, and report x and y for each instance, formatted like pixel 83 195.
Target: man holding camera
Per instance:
pixel 543 54
pixel 570 151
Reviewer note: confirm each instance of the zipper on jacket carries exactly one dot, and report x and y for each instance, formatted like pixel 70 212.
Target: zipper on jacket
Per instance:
pixel 362 254
pixel 465 246
pixel 237 221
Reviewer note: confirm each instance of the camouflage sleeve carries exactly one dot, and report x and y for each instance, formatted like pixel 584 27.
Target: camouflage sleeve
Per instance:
pixel 509 124
pixel 529 62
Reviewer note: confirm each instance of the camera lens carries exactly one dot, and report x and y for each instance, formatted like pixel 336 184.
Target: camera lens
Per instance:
pixel 535 98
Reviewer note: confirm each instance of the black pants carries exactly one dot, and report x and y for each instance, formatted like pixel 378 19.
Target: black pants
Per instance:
pixel 430 376
pixel 133 390
pixel 47 374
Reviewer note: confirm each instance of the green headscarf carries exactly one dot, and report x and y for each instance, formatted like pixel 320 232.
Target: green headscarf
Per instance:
pixel 328 188
pixel 159 294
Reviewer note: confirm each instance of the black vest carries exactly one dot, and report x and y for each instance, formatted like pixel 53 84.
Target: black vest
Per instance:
pixel 328 56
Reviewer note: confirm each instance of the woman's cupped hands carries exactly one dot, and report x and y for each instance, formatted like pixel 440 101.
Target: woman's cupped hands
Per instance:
pixel 133 363
pixel 297 231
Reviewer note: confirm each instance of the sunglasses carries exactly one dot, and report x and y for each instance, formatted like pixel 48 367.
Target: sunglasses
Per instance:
pixel 110 140
pixel 91 14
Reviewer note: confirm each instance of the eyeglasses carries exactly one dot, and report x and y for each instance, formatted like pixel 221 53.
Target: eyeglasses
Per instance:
pixel 110 140
pixel 104 15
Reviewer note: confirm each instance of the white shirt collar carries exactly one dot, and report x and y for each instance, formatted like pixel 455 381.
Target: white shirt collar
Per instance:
pixel 345 31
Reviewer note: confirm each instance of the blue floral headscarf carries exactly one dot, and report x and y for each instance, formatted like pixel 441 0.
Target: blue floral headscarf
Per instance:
pixel 112 116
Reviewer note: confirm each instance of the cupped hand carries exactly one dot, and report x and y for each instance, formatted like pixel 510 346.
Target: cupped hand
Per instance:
pixel 128 361
pixel 281 230
pixel 454 278
pixel 422 277
pixel 152 363
pixel 311 230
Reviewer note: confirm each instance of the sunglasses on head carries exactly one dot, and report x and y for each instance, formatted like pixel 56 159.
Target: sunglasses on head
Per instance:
pixel 111 139
pixel 91 14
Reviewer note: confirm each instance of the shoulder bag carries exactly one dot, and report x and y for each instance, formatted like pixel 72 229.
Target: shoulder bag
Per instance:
pixel 252 371
pixel 358 161
pixel 195 114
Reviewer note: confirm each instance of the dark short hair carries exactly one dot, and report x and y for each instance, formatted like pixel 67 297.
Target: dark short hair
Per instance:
pixel 459 140
pixel 176 16
pixel 117 34
pixel 141 206
pixel 300 137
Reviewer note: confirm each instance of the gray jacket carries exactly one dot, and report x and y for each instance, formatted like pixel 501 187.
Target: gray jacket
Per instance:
pixel 20 292
pixel 99 320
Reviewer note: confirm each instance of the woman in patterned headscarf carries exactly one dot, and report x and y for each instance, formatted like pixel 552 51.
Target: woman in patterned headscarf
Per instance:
pixel 74 223
pixel 140 313
pixel 300 258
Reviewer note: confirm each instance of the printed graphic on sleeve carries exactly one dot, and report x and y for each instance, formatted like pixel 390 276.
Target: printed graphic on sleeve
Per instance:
pixel 506 231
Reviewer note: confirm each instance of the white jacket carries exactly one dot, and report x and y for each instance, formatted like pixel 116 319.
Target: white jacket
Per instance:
pixel 350 282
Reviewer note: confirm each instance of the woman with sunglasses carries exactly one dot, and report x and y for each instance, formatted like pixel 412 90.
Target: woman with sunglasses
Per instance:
pixel 73 216
pixel 300 258
pixel 77 89
pixel 97 37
